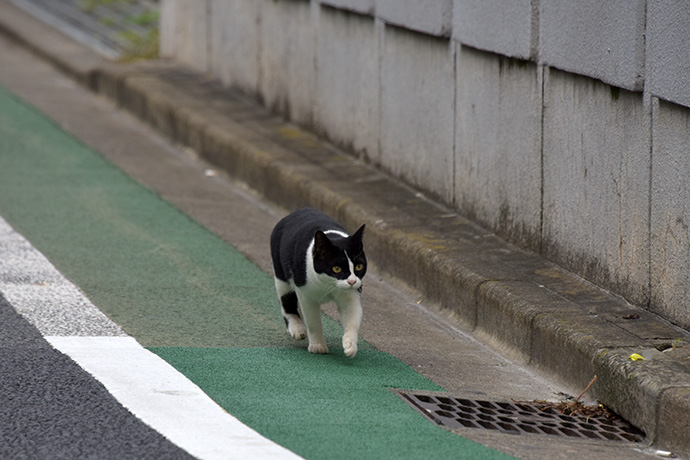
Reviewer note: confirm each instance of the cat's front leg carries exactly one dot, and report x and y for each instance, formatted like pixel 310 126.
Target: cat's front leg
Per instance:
pixel 350 308
pixel 311 315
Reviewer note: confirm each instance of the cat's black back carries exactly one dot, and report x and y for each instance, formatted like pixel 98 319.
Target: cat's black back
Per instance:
pixel 291 238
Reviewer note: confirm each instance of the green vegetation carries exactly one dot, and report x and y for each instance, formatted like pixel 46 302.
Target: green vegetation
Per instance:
pixel 113 14
pixel 140 46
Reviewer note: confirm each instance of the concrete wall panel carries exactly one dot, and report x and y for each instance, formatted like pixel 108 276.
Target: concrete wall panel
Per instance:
pixel 500 26
pixel 358 6
pixel 498 144
pixel 596 182
pixel 287 58
pixel 602 39
pixel 347 87
pixel 168 29
pixel 417 99
pixel 185 36
pixel 670 223
pixel 428 16
pixel 235 45
pixel 668 50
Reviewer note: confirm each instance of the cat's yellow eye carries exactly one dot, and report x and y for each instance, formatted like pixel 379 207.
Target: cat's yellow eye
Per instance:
pixel 337 269
pixel 359 267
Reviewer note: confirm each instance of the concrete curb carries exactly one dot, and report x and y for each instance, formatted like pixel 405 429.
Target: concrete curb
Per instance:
pixel 530 308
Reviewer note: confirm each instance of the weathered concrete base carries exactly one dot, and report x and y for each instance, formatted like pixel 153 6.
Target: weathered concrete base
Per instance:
pixel 520 302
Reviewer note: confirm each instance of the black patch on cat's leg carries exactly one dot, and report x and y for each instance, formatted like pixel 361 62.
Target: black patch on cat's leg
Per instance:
pixel 289 303
pixel 293 320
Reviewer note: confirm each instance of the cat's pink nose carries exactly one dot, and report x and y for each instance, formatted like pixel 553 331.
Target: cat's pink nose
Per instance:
pixel 351 282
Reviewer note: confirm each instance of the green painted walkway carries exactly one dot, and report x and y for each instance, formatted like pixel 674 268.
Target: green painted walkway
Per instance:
pixel 202 306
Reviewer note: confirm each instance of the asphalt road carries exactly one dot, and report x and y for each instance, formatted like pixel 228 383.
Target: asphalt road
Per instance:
pixel 177 258
pixel 52 408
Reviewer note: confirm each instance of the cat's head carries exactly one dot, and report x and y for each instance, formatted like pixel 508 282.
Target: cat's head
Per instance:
pixel 340 258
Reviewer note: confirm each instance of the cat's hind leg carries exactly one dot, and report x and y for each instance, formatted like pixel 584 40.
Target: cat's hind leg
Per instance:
pixel 290 309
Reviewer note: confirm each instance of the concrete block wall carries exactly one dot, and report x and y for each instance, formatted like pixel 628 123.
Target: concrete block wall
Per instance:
pixel 670 213
pixel 560 125
pixel 416 110
pixel 603 39
pixel 668 42
pixel 185 28
pixel 347 82
pixel 506 27
pixel 432 17
pixel 498 144
pixel 235 43
pixel 596 170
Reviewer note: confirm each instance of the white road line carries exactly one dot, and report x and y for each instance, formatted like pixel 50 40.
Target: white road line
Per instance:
pixel 166 400
pixel 39 292
pixel 147 385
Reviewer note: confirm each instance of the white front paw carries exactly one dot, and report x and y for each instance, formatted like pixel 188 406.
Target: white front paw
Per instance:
pixel 320 348
pixel 349 347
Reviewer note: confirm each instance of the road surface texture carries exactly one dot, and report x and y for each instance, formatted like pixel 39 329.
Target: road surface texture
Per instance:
pixel 175 255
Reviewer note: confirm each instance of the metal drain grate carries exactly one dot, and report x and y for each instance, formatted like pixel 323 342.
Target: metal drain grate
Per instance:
pixel 518 418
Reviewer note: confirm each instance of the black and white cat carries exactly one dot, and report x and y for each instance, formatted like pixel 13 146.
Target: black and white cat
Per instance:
pixel 315 261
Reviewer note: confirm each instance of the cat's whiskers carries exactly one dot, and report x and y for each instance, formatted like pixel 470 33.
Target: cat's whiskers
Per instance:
pixel 332 289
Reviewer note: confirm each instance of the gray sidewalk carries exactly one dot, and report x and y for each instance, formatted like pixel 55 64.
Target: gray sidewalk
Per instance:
pixel 532 310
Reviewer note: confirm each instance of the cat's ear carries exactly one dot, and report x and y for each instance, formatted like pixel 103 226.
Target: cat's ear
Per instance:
pixel 356 239
pixel 322 245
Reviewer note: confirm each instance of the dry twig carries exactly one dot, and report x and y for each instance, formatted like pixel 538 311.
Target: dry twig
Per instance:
pixel 576 407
